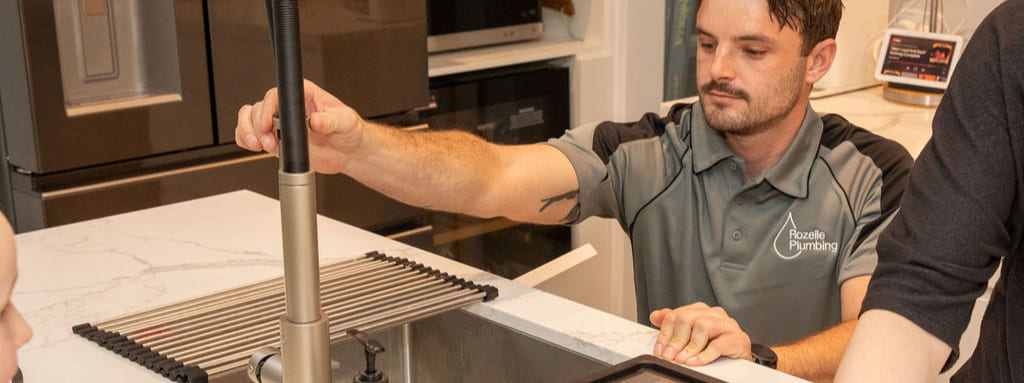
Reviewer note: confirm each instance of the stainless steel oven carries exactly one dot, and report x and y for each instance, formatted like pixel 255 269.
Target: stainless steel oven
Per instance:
pixel 514 105
pixel 108 106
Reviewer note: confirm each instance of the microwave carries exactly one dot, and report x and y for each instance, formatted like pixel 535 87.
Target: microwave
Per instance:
pixel 458 24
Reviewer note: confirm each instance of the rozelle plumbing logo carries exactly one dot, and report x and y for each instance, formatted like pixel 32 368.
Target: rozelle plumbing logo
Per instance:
pixel 791 241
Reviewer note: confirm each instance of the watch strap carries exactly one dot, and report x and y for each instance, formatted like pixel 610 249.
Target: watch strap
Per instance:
pixel 764 355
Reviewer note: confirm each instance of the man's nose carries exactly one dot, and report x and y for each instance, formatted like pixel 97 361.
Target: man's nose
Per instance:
pixel 23 331
pixel 722 65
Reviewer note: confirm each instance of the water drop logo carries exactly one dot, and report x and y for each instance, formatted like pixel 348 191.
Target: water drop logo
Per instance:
pixel 790 242
pixel 787 227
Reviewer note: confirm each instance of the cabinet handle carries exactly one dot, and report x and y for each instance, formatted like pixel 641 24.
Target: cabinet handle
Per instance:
pixel 412 232
pixel 415 128
pixel 146 177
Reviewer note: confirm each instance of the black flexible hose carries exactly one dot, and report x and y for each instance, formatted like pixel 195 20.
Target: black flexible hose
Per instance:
pixel 292 111
pixel 273 36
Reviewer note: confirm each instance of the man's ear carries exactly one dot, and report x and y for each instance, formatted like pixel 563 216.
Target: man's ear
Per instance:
pixel 820 60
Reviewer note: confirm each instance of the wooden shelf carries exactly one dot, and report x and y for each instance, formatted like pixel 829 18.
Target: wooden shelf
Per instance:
pixel 467 60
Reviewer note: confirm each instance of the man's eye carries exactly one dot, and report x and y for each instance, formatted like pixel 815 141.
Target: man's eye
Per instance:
pixel 755 53
pixel 707 46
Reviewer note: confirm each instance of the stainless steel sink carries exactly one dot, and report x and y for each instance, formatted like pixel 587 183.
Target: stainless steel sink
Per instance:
pixel 456 346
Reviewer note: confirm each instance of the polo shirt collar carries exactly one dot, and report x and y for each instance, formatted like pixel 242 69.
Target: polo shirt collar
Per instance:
pixel 789 175
pixel 708 145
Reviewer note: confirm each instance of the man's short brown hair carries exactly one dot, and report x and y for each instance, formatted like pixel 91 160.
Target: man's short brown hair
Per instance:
pixel 815 20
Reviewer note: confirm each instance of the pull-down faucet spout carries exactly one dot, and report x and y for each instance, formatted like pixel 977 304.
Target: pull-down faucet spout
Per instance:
pixel 305 351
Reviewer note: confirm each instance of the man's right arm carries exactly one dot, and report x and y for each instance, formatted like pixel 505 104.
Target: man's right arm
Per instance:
pixel 450 170
pixel 886 347
pixel 459 172
pixel 954 226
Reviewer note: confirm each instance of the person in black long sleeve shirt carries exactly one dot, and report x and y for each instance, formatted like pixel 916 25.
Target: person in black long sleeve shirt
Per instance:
pixel 962 213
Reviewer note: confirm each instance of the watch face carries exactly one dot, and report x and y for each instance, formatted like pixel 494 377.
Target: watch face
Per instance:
pixel 764 355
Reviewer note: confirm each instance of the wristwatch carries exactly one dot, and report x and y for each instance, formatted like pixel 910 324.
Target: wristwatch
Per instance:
pixel 764 355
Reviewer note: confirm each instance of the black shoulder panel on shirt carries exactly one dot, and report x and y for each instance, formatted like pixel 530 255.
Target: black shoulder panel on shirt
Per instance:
pixel 888 155
pixel 609 135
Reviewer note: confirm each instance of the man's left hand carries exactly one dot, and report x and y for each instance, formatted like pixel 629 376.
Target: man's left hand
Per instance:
pixel 696 335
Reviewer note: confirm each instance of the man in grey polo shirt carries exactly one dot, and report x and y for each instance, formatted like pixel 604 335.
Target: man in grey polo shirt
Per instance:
pixel 751 218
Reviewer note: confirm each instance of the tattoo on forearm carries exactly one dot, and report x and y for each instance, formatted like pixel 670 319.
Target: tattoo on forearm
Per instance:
pixel 548 201
pixel 566 196
pixel 573 214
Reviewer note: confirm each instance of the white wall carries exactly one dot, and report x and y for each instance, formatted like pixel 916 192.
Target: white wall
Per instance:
pixel 619 78
pixel 960 16
pixel 863 24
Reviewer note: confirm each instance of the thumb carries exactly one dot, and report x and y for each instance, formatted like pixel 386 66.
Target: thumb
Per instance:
pixel 657 316
pixel 324 123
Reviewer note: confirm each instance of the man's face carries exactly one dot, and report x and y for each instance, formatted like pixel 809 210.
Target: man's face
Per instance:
pixel 750 73
pixel 14 332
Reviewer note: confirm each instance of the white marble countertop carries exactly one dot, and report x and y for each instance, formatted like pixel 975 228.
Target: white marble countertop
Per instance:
pixel 907 124
pixel 93 270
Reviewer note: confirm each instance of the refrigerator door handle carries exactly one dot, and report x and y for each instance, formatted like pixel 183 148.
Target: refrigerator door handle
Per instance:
pixel 147 177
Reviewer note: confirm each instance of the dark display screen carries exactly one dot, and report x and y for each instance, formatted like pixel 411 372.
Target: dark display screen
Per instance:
pixel 918 58
pixel 452 16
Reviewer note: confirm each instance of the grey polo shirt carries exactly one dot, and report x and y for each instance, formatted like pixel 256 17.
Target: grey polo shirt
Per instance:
pixel 772 251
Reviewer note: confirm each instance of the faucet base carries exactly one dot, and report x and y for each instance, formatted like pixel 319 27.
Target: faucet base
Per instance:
pixel 305 350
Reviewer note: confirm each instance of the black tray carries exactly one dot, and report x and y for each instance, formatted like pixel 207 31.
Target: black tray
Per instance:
pixel 648 369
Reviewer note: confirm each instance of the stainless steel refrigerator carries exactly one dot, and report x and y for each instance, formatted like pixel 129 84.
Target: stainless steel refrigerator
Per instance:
pixel 108 106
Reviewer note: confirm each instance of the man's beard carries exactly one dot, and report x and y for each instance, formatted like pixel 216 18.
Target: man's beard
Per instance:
pixel 761 115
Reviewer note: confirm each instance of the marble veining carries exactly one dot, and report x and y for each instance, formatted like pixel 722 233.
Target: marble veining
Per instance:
pixel 99 269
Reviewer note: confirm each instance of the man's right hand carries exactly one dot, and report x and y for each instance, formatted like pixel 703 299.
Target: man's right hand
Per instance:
pixel 335 130
pixel 448 170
